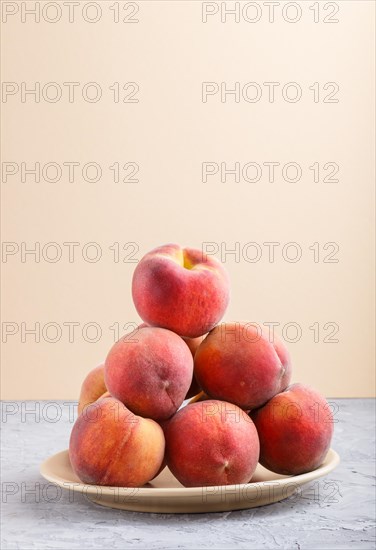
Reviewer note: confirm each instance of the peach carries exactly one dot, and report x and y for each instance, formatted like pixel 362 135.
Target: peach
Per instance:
pixel 193 344
pixel 211 443
pixel 109 445
pixel 93 387
pixel 150 371
pixel 295 429
pixel 180 289
pixel 236 363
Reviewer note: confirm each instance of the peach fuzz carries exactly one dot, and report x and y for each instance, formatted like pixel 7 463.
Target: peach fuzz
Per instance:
pixel 150 371
pixel 93 387
pixel 193 344
pixel 211 443
pixel 295 429
pixel 180 289
pixel 109 445
pixel 236 363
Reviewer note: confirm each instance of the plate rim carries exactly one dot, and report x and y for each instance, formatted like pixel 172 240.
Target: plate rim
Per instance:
pixel 321 471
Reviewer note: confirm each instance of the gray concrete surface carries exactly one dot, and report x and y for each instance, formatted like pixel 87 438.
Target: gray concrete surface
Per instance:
pixel 335 512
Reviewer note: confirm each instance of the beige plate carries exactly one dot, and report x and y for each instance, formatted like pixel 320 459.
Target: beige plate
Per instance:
pixel 166 495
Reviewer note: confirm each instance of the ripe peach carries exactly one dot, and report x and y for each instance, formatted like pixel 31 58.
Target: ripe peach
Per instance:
pixel 295 429
pixel 93 387
pixel 180 289
pixel 193 344
pixel 150 371
pixel 211 443
pixel 238 364
pixel 109 445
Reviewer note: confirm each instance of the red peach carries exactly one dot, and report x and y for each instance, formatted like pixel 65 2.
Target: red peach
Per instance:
pixel 180 289
pixel 238 364
pixel 211 443
pixel 150 371
pixel 295 429
pixel 193 344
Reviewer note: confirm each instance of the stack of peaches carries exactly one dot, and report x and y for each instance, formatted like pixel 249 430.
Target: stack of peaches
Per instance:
pixel 242 409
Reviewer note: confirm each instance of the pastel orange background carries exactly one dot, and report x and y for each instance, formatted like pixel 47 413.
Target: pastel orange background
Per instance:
pixel 169 133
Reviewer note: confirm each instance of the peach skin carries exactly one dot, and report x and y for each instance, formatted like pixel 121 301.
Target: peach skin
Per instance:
pixel 211 443
pixel 109 445
pixel 180 289
pixel 236 363
pixel 295 429
pixel 150 371
pixel 193 344
pixel 93 387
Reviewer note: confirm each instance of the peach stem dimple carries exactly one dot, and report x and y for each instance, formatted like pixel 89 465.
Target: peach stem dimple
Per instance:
pixel 187 264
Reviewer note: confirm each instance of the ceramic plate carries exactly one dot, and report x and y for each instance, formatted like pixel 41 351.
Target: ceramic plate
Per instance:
pixel 166 495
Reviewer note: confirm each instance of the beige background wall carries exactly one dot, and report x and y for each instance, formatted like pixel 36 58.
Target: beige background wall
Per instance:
pixel 169 133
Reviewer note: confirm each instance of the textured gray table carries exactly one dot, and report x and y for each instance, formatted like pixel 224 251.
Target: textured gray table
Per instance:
pixel 337 512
